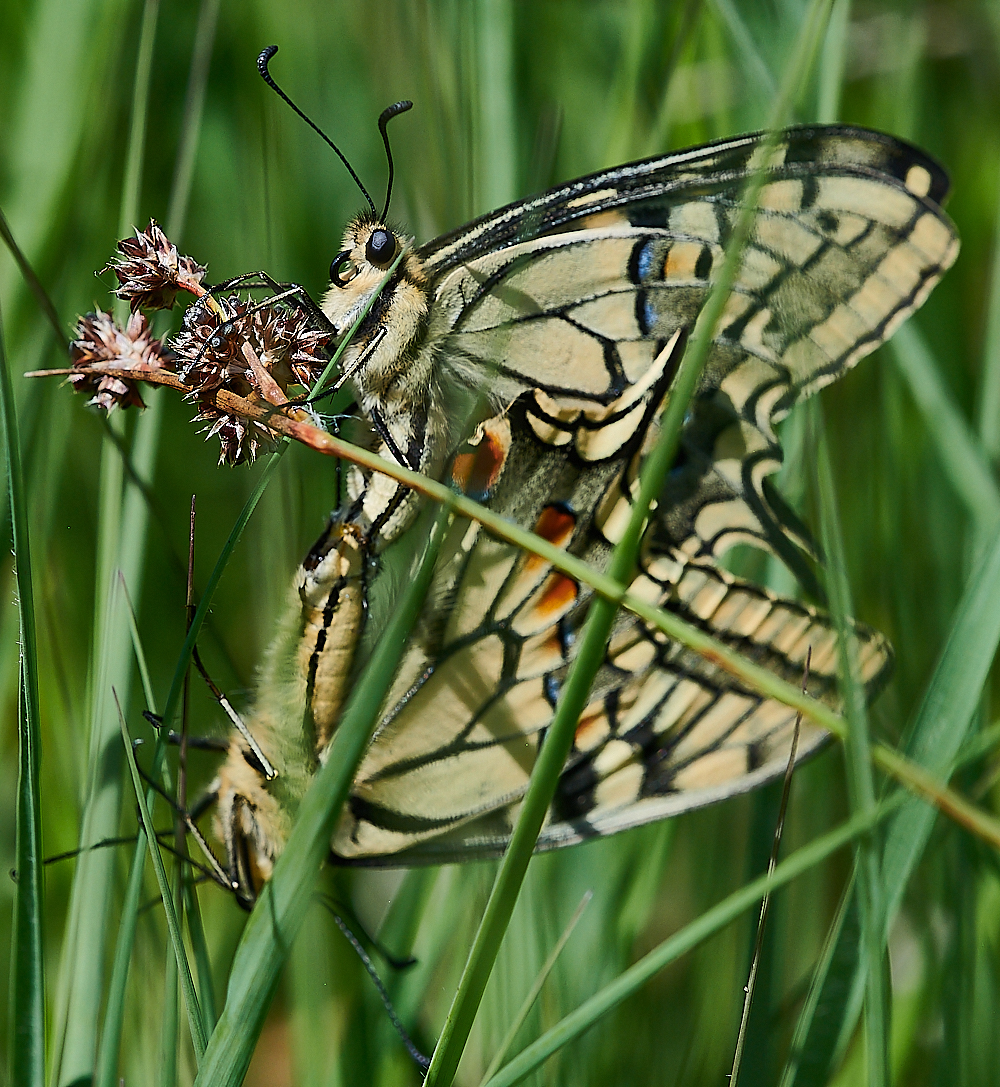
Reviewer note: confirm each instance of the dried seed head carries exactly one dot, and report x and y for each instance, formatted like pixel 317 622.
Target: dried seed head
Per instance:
pixel 100 341
pixel 210 346
pixel 151 271
pixel 240 439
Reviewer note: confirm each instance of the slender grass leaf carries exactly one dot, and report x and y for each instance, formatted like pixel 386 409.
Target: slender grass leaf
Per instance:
pixel 533 993
pixel 121 545
pixel 26 1058
pixel 195 1020
pixel 861 782
pixel 958 448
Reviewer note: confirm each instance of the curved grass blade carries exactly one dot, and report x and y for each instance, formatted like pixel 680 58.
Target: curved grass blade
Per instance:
pixel 136 518
pixel 27 965
pixel 535 990
pixel 121 544
pixel 282 905
pixel 959 451
pixel 574 693
pixel 861 782
pixel 195 1021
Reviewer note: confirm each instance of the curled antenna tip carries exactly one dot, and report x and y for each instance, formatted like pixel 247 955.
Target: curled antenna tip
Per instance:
pixel 384 118
pixel 265 58
pixel 392 111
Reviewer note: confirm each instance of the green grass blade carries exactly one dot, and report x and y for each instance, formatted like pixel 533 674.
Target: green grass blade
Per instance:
pixel 831 67
pixel 170 1023
pixel 746 47
pixel 194 106
pixel 935 739
pixel 195 1020
pixel 861 782
pixel 533 993
pixel 135 517
pixel 96 873
pixel 575 691
pixel 283 902
pixel 818 1025
pixel 946 716
pixel 106 1068
pixel 26 1059
pixel 711 921
pixel 958 449
pixel 989 394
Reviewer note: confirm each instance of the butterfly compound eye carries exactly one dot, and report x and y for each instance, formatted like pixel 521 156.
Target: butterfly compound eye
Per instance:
pixel 381 247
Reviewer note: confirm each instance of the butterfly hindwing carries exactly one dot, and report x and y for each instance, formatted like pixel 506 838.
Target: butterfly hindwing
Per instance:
pixel 666 730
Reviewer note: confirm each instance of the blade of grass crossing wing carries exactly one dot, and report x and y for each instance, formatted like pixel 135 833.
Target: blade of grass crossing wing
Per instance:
pixel 861 782
pixel 282 905
pixel 27 968
pixel 575 691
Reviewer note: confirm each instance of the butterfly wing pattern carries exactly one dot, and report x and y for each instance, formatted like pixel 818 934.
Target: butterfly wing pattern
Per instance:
pixel 567 315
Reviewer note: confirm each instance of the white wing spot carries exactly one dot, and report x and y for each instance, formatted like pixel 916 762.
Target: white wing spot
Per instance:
pixel 918 180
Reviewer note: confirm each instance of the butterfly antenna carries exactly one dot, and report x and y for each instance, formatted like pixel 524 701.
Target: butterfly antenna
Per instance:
pixel 384 118
pixel 262 62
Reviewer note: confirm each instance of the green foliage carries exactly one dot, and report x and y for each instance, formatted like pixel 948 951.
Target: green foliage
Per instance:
pixel 509 98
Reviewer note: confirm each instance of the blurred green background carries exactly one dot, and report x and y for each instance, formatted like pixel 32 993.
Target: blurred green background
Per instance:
pixel 509 98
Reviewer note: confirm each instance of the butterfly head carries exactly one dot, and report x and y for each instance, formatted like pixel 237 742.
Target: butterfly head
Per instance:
pixel 369 248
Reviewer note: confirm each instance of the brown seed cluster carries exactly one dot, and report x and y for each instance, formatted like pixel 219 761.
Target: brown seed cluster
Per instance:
pixel 150 271
pixel 254 349
pixel 100 341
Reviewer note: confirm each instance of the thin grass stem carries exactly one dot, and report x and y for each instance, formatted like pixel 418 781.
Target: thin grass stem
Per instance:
pixel 26 1058
pixel 195 1021
pixel 861 781
pixel 535 991
pixel 95 874
pixel 708 923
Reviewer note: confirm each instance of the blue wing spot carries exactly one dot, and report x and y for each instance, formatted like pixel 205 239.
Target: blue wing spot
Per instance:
pixel 642 261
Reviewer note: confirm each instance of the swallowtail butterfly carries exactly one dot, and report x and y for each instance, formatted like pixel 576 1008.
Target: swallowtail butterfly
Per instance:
pixel 526 358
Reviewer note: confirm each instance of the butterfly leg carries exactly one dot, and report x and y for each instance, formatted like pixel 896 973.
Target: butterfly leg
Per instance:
pixel 280 292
